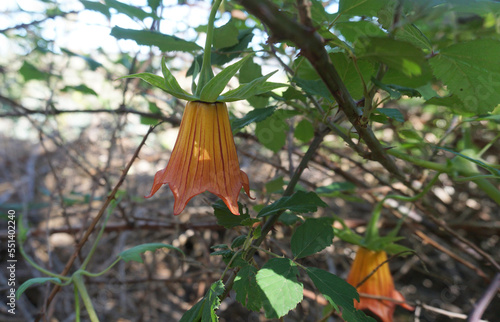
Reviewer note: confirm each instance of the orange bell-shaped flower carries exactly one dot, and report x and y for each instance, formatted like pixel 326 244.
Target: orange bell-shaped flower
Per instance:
pixel 203 159
pixel 379 284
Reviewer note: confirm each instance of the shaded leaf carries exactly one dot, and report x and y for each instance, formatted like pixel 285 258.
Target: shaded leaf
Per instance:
pixel 134 253
pixel 225 217
pixel 339 293
pixel 312 236
pixel 96 6
pixel 82 88
pixel 361 7
pixel 247 290
pixel 226 36
pixel 131 11
pixel 256 115
pixel 304 131
pixel 300 202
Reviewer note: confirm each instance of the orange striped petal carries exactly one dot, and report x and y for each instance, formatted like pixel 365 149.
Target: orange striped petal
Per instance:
pixel 203 159
pixel 380 283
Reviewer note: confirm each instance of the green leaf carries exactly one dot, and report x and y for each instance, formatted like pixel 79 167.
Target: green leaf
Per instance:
pixel 451 101
pixel 339 293
pixel 160 82
pixel 131 11
pixel 226 36
pixel 216 85
pixel 281 292
pixel 194 313
pixel 271 132
pixel 96 6
pixel 154 38
pixel 33 281
pixel 212 302
pixel 225 217
pixel 249 71
pixel 353 30
pixel 412 34
pixel 256 115
pixel 134 253
pixel 30 72
pixel 396 91
pixel 347 71
pixel 238 241
pixel 311 237
pixel 335 188
pixel 392 113
pixel 82 88
pixel 300 202
pixel 396 54
pixel 246 91
pixel 304 131
pixel 275 185
pixel 471 71
pixel 247 291
pixel 170 80
pixel 314 87
pixel 361 7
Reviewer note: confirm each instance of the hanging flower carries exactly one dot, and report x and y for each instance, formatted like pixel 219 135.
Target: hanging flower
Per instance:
pixel 379 283
pixel 204 158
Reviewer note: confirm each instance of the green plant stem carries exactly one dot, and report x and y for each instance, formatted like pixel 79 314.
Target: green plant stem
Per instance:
pixel 206 72
pixel 490 189
pixel 39 268
pixel 372 228
pixel 99 235
pixel 102 272
pixel 77 303
pixel 80 285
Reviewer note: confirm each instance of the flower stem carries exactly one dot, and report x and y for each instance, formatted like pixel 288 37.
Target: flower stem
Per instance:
pixel 78 281
pixel 206 73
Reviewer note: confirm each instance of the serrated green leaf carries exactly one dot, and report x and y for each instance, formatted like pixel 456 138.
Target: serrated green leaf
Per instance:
pixel 256 115
pixel 238 241
pixel 392 113
pixel 396 54
pixel 339 293
pixel 471 72
pixel 226 36
pixel 451 101
pixel 396 91
pixel 131 11
pixel 361 7
pixel 281 292
pixel 194 313
pixel 154 38
pixel 412 34
pixel 96 6
pixel 212 302
pixel 300 202
pixel 249 71
pixel 353 30
pixel 314 87
pixel 312 236
pixel 247 291
pixel 225 217
pixel 160 82
pixel 33 281
pixel 134 253
pixel 304 131
pixel 349 73
pixel 216 85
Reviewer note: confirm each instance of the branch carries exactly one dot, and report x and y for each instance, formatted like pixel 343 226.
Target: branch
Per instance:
pixel 312 47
